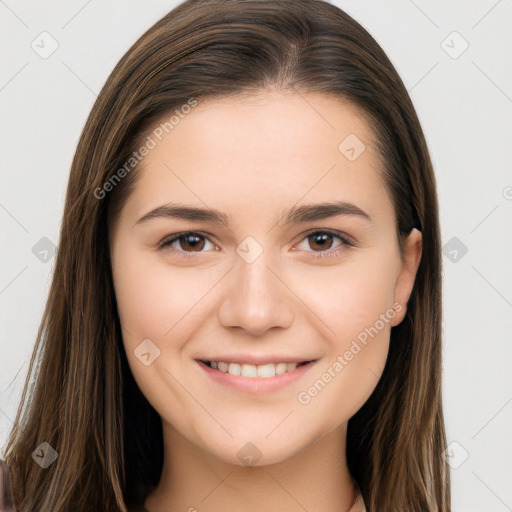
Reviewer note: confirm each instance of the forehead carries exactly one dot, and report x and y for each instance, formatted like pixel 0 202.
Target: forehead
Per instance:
pixel 253 154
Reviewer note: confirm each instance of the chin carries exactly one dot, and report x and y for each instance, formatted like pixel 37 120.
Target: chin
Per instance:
pixel 257 449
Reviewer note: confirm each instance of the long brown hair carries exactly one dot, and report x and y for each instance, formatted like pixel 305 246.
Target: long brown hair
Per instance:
pixel 80 396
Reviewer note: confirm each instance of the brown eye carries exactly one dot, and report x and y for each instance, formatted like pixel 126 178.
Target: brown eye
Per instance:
pixel 192 241
pixel 320 241
pixel 185 243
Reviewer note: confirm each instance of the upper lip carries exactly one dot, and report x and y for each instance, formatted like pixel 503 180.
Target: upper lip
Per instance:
pixel 256 360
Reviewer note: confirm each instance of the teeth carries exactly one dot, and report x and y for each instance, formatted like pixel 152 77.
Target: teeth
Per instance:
pixel 263 371
pixel 248 370
pixel 280 368
pixel 234 369
pixel 267 370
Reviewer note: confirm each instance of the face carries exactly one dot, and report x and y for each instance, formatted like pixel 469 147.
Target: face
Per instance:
pixel 273 277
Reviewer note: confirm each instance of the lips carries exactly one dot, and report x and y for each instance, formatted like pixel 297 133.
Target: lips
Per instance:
pixel 252 378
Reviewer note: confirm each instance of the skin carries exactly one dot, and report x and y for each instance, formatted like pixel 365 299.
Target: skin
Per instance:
pixel 254 157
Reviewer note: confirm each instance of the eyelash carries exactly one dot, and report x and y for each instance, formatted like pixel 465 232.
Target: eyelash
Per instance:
pixel 168 241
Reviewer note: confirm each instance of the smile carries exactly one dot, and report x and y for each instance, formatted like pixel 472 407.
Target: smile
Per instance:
pixel 259 379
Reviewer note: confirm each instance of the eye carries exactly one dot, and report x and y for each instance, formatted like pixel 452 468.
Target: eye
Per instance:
pixel 322 240
pixel 185 241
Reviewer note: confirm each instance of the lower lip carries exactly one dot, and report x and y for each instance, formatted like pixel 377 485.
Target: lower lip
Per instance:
pixel 256 384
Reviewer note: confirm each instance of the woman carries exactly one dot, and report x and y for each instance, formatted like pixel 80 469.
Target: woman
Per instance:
pixel 246 306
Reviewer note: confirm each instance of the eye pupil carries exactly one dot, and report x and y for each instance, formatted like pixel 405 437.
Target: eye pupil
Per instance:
pixel 320 238
pixel 196 240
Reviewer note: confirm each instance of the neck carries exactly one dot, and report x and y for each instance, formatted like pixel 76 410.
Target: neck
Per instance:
pixel 314 479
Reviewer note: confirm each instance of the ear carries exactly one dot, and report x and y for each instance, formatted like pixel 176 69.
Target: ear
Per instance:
pixel 405 280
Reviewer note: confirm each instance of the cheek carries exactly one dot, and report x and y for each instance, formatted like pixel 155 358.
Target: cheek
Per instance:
pixel 140 299
pixel 150 303
pixel 348 298
pixel 150 299
pixel 353 307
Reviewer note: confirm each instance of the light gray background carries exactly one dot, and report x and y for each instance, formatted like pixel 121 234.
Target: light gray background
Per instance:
pixel 464 101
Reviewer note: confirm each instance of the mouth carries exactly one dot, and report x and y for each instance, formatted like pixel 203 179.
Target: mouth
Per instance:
pixel 252 371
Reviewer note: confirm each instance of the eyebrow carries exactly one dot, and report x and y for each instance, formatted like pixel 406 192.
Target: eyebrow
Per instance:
pixel 295 215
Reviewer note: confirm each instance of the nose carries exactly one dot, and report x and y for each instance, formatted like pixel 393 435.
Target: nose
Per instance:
pixel 255 297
